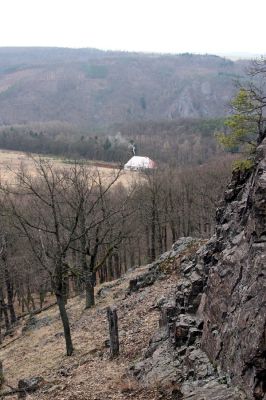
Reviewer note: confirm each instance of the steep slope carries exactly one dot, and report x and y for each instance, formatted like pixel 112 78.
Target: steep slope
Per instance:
pixel 90 88
pixel 37 345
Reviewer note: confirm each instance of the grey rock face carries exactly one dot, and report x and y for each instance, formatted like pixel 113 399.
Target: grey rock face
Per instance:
pixel 174 354
pixel 234 309
pixel 212 390
pixel 212 339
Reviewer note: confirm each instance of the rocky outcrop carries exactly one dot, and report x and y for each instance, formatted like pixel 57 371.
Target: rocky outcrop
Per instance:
pixel 234 307
pixel 211 339
pixel 174 356
pixel 156 269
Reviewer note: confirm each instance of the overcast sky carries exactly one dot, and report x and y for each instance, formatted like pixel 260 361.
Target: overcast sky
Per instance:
pixel 199 26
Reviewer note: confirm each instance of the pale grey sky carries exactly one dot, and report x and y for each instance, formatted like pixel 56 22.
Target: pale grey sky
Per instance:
pixel 200 26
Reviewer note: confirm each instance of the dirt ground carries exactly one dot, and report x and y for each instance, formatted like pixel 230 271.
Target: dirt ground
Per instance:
pixel 89 373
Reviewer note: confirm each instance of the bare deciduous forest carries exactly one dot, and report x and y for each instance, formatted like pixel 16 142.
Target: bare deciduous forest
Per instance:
pixel 66 227
pixel 70 228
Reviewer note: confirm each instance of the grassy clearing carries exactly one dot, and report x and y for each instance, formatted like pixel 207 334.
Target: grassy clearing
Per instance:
pixel 11 161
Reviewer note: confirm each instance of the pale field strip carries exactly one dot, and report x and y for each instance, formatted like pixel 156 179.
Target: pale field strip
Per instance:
pixel 12 161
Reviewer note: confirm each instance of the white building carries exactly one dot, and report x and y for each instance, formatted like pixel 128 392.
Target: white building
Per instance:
pixel 137 163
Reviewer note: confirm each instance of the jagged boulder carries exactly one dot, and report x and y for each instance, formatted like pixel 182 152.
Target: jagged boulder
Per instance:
pixel 156 269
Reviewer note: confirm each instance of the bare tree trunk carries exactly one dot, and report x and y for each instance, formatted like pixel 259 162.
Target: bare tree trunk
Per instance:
pixel 9 290
pixel 42 293
pixel 58 286
pixel 110 268
pixel 25 303
pixel 117 271
pixel 78 287
pixel 125 257
pixel 173 231
pixel 22 306
pixel 89 289
pixel 103 273
pixel 153 233
pixel 132 256
pixel 65 285
pixel 2 378
pixel 4 309
pixel 30 299
pixel 20 298
pixel 139 252
pixel 113 331
pixel 148 243
pixel 165 237
pixel 65 322
pixel 160 239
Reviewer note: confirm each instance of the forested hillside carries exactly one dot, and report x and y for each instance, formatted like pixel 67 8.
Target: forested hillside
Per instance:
pixel 90 89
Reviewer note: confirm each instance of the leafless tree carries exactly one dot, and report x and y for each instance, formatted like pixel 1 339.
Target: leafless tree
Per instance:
pixel 39 207
pixel 100 227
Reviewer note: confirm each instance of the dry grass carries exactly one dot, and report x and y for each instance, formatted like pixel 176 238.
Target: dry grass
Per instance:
pixel 89 373
pixel 11 162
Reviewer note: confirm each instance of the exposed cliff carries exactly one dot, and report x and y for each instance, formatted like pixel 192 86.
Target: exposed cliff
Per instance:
pixel 211 340
pixel 234 309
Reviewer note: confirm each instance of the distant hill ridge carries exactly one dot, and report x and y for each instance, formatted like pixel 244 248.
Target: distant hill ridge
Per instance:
pixel 92 88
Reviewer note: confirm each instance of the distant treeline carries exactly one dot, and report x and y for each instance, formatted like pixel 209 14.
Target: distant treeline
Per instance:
pixel 182 142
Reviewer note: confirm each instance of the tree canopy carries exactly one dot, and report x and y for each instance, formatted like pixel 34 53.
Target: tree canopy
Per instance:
pixel 246 126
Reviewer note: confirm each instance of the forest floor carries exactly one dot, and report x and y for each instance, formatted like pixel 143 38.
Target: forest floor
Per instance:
pixel 89 373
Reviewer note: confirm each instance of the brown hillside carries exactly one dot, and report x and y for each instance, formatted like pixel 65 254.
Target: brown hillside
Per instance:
pixel 90 88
